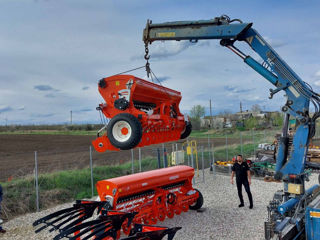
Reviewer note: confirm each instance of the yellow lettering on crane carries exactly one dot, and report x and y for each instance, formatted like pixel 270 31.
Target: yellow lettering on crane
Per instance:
pixel 166 34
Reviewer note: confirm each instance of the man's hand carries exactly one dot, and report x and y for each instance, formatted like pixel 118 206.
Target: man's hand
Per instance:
pixel 249 180
pixel 232 175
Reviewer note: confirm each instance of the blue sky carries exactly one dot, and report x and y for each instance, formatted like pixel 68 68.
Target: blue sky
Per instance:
pixel 53 52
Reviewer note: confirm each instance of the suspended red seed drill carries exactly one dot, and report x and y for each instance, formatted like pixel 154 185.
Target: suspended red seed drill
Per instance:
pixel 141 112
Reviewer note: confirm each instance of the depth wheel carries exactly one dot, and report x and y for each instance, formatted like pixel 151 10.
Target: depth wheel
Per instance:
pixel 187 131
pixel 170 213
pixel 177 211
pixel 198 204
pixel 185 207
pixel 153 220
pixel 124 131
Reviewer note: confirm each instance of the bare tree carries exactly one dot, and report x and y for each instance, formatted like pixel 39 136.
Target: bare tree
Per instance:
pixel 225 113
pixel 256 108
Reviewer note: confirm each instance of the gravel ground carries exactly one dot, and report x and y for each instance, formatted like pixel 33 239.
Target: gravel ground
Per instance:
pixel 222 219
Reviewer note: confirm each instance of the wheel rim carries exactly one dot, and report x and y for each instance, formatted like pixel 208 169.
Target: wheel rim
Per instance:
pixel 121 131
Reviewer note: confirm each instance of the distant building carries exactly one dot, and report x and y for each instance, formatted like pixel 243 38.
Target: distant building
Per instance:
pixel 215 122
pixel 205 123
pixel 238 119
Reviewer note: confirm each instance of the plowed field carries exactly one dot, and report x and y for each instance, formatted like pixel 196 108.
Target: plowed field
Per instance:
pixel 61 152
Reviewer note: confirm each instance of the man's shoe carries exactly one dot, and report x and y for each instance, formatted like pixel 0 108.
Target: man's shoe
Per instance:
pixel 3 231
pixel 1 221
pixel 241 205
pixel 251 206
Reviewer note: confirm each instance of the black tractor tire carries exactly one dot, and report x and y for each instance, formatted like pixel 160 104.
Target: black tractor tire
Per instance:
pixel 198 204
pixel 186 131
pixel 136 131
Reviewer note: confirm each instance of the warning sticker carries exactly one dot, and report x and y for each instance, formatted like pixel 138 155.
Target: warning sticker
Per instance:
pixel 315 214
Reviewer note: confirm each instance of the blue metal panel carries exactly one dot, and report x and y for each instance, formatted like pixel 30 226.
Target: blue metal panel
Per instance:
pixel 312 226
pixel 296 163
pixel 281 157
pixel 312 223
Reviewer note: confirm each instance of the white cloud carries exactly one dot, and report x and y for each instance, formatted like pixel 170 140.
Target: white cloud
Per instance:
pixel 317 83
pixel 4 108
pixel 170 48
pixel 165 49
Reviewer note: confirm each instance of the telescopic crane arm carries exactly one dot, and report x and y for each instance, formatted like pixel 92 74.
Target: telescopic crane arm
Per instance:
pixel 273 68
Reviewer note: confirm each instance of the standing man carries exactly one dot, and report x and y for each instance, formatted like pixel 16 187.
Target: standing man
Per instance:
pixel 1 229
pixel 243 177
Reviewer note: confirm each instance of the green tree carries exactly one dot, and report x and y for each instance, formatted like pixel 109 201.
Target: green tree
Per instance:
pixel 196 124
pixel 251 123
pixel 197 111
pixel 278 120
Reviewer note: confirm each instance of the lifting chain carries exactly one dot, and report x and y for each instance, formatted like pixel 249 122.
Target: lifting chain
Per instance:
pixel 146 57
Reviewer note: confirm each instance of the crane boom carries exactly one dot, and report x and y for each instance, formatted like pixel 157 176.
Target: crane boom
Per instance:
pixel 288 211
pixel 273 68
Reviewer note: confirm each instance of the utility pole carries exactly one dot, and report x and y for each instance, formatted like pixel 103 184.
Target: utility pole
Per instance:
pixel 71 117
pixel 211 120
pixel 241 115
